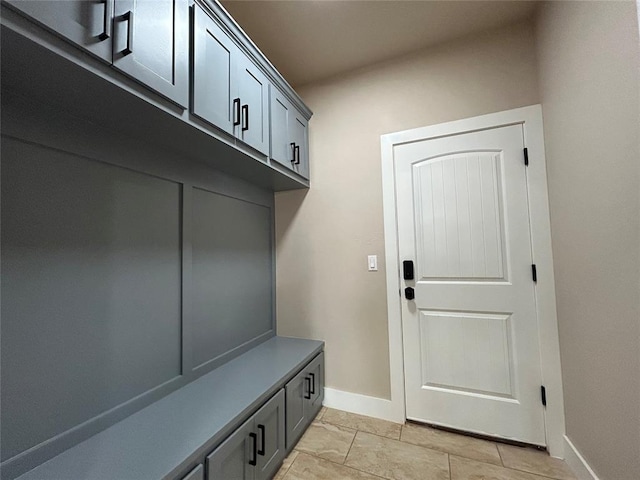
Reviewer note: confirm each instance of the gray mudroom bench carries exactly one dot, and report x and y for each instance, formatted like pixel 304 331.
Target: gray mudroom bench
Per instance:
pixel 250 410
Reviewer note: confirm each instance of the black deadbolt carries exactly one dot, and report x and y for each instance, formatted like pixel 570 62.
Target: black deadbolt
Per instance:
pixel 409 293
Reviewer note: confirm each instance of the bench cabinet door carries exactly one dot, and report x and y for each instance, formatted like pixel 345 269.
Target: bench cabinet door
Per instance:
pixel 87 24
pixel 297 421
pixel 232 459
pixel 269 426
pixel 151 45
pixel 196 474
pixel 315 370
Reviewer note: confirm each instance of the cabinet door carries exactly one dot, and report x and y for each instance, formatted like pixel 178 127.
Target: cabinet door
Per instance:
pixel 281 112
pixel 151 44
pixel 195 474
pixel 298 134
pixel 269 424
pixel 253 90
pixel 297 421
pixel 87 24
pixel 214 55
pixel 230 461
pixel 316 371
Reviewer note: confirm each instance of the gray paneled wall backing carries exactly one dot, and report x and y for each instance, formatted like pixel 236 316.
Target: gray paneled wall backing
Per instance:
pixel 94 260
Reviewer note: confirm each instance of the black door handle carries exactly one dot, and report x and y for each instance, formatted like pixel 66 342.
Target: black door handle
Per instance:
pixel 245 117
pixel 106 26
pixel 307 382
pixel 407 270
pixel 409 293
pixel 313 384
pixel 129 19
pixel 236 111
pixel 253 462
pixel 263 441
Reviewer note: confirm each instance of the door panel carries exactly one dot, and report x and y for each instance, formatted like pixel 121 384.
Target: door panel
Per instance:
pixel 87 24
pixel 296 420
pixel 269 422
pixel 214 55
pixel 253 90
pixel 230 461
pixel 151 44
pixel 281 114
pixel 299 136
pixel 470 336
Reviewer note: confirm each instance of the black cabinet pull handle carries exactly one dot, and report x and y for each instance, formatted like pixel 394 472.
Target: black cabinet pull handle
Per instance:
pixel 106 26
pixel 236 111
pixel 128 17
pixel 293 152
pixel 245 117
pixel 307 382
pixel 313 383
pixel 263 441
pixel 253 462
pixel 297 154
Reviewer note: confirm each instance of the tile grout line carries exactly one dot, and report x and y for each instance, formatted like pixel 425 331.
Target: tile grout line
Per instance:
pixel 449 460
pixel 350 446
pixel 500 455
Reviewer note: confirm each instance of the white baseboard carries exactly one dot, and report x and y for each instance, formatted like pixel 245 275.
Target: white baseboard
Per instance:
pixel 363 405
pixel 576 462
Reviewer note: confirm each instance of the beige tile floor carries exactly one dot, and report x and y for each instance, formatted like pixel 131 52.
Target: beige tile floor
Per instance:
pixel 341 445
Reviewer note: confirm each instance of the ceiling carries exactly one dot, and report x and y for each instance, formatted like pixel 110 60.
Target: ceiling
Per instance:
pixel 309 40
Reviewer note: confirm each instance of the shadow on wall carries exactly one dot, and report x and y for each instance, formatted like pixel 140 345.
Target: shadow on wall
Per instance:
pixel 287 207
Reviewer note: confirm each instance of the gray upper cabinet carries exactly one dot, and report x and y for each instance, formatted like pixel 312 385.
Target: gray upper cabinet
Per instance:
pixel 214 61
pixel 229 90
pixel 289 137
pixel 87 24
pixel 255 450
pixel 253 92
pixel 146 39
pixel 151 44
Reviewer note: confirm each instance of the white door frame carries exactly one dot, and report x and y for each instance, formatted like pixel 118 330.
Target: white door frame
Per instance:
pixel 531 120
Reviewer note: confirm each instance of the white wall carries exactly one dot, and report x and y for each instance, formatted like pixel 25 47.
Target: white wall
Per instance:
pixel 324 235
pixel 589 83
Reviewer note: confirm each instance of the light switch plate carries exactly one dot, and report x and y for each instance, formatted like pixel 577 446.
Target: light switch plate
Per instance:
pixel 373 263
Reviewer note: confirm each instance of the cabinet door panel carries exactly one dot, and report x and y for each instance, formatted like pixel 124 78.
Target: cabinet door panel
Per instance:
pixel 87 24
pixel 281 113
pixel 195 474
pixel 316 371
pixel 253 90
pixel 298 133
pixel 269 422
pixel 230 461
pixel 296 411
pixel 151 44
pixel 213 57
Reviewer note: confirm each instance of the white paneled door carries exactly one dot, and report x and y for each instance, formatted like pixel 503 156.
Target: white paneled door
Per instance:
pixel 471 354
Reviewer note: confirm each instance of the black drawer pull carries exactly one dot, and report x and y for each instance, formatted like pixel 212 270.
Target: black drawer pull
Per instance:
pixel 129 18
pixel 253 462
pixel 293 152
pixel 263 441
pixel 245 117
pixel 106 26
pixel 313 383
pixel 297 154
pixel 236 111
pixel 307 381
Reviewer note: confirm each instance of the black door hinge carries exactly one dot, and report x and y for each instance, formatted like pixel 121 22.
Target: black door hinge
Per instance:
pixel 526 156
pixel 534 272
pixel 543 395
